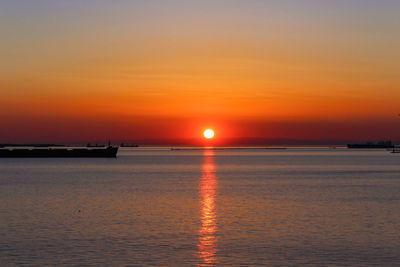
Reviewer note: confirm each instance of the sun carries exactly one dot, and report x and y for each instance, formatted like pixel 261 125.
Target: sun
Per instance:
pixel 209 133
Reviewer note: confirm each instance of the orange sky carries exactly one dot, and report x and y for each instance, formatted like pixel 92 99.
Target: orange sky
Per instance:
pixel 165 70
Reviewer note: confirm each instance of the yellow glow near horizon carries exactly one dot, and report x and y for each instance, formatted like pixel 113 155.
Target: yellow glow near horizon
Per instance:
pixel 209 134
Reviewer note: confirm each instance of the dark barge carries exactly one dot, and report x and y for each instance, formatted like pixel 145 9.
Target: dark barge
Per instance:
pixel 382 144
pixel 108 152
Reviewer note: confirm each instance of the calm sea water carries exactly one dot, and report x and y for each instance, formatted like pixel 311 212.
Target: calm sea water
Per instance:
pixel 157 207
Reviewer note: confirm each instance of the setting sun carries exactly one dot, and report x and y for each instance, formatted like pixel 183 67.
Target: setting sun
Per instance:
pixel 209 133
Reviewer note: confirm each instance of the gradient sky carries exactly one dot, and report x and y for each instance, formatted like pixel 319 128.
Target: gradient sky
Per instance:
pixel 89 70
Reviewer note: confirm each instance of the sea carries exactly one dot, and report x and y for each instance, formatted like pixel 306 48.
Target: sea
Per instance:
pixel 189 206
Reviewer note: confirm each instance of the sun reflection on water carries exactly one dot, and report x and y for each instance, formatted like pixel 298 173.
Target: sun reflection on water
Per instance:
pixel 208 189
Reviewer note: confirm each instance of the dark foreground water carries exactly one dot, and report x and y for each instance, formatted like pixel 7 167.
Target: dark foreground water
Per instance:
pixel 156 207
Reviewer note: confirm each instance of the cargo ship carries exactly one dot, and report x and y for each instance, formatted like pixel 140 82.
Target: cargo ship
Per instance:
pixel 396 149
pixel 50 152
pixel 128 145
pixel 382 144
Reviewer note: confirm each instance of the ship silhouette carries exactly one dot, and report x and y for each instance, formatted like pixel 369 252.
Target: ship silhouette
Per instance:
pixel 50 152
pixel 381 144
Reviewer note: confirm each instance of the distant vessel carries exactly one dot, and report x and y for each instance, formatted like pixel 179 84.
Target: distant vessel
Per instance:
pixel 30 145
pixel 396 149
pixel 382 144
pixel 108 152
pixel 128 145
